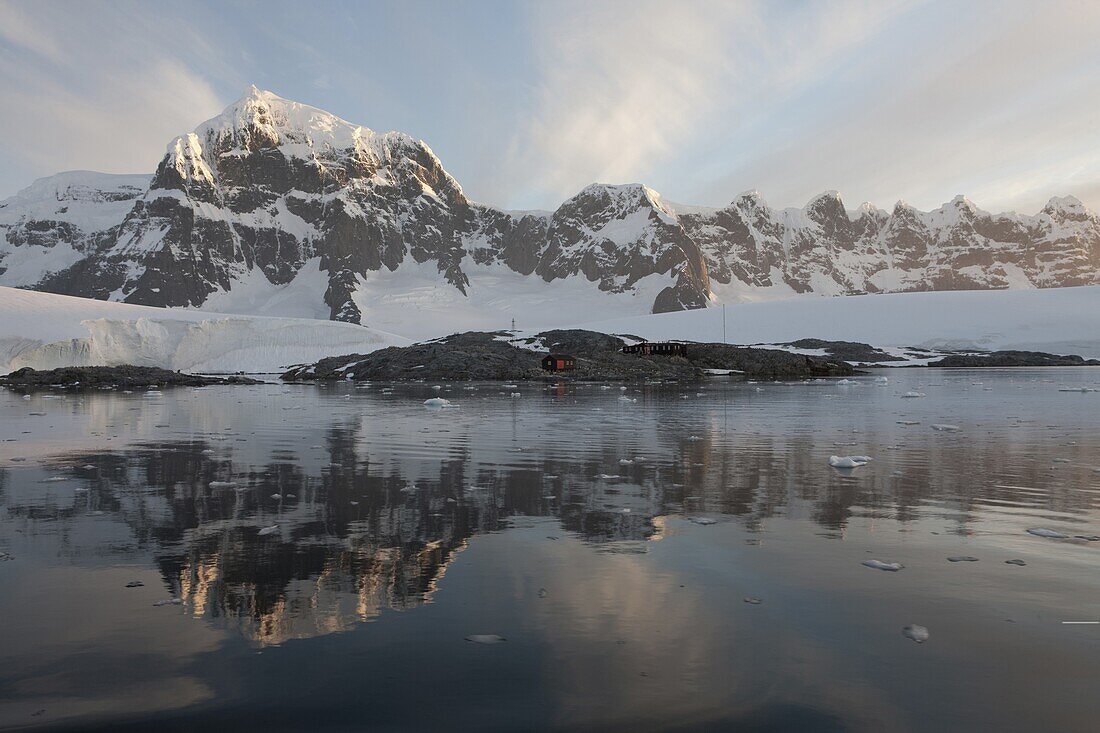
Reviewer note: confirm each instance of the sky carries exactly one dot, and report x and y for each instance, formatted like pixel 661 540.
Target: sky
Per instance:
pixel 528 102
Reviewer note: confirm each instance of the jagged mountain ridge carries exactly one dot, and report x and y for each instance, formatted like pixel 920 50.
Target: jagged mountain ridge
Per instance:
pixel 277 189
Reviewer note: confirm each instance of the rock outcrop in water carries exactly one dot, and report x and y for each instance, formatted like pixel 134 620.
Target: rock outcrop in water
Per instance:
pixel 112 376
pixel 498 355
pixel 1013 359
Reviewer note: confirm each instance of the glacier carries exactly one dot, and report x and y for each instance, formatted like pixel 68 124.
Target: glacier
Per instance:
pixel 45 331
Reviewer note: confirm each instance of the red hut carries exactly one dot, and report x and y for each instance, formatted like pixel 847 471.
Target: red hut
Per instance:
pixel 558 363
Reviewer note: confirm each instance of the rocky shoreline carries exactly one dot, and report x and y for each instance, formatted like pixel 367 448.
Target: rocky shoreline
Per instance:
pixel 1011 359
pixel 99 377
pixel 498 355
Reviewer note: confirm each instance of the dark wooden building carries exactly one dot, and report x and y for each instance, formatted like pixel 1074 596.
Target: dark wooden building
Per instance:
pixel 559 363
pixel 657 348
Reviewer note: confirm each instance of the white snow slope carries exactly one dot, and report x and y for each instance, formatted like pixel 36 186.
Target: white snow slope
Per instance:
pixel 1056 320
pixel 45 331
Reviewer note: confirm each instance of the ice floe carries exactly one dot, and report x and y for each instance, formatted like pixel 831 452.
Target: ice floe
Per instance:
pixel 849 461
pixel 891 567
pixel 917 633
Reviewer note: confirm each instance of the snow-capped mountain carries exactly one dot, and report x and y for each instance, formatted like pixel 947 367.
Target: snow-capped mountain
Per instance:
pixel 277 207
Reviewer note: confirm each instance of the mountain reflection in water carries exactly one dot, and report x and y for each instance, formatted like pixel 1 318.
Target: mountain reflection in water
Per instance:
pixel 369 498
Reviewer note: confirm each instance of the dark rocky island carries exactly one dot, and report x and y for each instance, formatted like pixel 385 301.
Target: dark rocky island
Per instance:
pixel 1012 359
pixel 124 376
pixel 498 356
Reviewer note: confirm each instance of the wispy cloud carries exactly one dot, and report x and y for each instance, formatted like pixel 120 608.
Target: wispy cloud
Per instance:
pixel 526 103
pixel 97 86
pixel 624 88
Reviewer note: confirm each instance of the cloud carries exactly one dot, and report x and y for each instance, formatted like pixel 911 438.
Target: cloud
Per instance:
pixel 994 101
pixel 623 88
pixel 102 88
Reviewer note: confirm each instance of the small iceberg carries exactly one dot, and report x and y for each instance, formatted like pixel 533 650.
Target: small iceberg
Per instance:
pixel 912 395
pixel 223 484
pixel 917 633
pixel 882 380
pixel 269 530
pixel 945 428
pixel 703 520
pixel 1048 533
pixel 437 403
pixel 848 461
pixel 486 638
pixel 890 567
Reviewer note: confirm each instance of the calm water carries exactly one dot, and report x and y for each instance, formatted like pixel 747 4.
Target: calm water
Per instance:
pixel 561 520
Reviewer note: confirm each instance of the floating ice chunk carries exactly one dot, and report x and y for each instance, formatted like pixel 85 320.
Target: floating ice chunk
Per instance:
pixel 624 398
pixel 89 466
pixel 437 403
pixel 908 422
pixel 1076 389
pixel 437 387
pixel 846 382
pixel 848 461
pixel 152 393
pixel 962 558
pixel 486 638
pixel 511 386
pixel 703 520
pixel 882 380
pixel 276 496
pixel 168 602
pixel 53 479
pixel 1059 460
pixel 1049 533
pixel 625 462
pixel 223 484
pixel 269 530
pixel 1016 561
pixel 917 633
pixel 607 476
pixel 945 428
pixel 891 567
pixel 912 395
pixel 516 394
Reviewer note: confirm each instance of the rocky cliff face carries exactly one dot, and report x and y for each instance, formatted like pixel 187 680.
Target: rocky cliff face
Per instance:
pixel 271 189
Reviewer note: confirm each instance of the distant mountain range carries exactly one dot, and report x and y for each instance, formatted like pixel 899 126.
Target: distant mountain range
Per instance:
pixel 275 205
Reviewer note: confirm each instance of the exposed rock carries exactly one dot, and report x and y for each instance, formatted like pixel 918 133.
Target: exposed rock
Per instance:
pixel 496 356
pixel 271 190
pixel 850 351
pixel 1012 359
pixel 115 376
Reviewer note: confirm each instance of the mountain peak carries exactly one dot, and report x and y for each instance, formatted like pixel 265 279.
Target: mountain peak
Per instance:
pixel 1067 207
